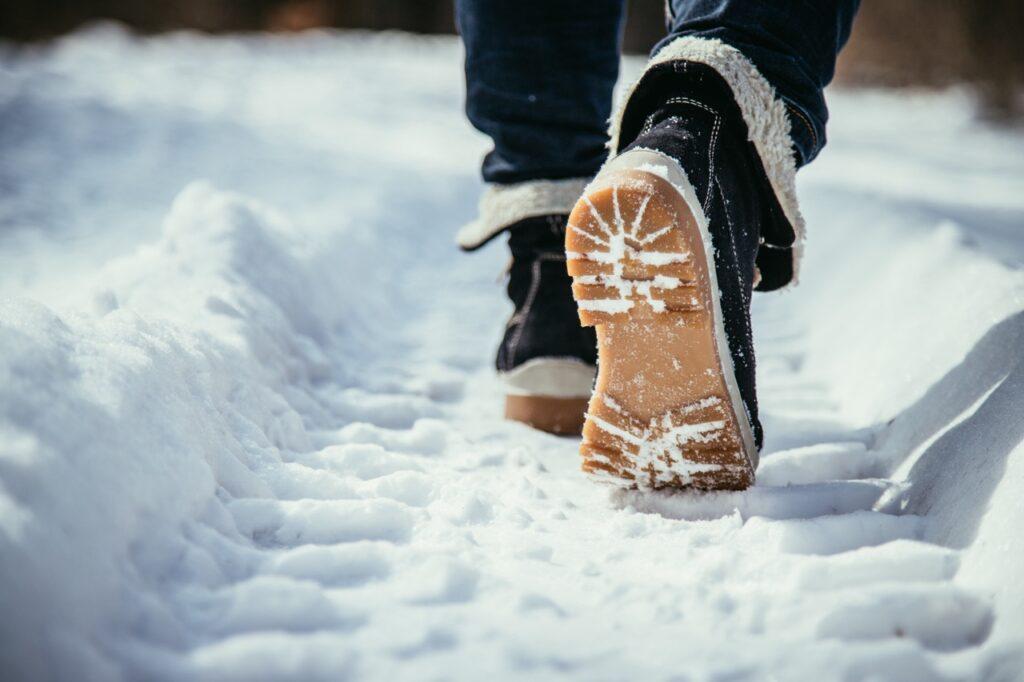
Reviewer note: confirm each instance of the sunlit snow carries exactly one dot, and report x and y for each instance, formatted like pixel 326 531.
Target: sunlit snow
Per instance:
pixel 249 427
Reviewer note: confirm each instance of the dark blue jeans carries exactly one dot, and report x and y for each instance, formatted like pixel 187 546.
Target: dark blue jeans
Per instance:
pixel 540 73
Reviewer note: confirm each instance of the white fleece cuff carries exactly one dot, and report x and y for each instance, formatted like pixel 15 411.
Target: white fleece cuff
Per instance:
pixel 504 205
pixel 764 113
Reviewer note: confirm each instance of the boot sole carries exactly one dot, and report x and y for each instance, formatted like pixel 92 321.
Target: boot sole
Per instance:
pixel 549 394
pixel 665 411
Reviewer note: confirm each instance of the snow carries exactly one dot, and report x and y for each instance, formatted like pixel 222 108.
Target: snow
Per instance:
pixel 249 429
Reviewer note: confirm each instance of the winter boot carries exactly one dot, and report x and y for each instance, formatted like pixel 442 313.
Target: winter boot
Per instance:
pixel 664 249
pixel 546 358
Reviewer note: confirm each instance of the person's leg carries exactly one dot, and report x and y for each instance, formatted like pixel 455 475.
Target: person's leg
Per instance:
pixel 696 208
pixel 539 81
pixel 793 44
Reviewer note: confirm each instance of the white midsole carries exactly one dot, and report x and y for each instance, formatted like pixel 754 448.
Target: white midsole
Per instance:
pixel 550 377
pixel 656 163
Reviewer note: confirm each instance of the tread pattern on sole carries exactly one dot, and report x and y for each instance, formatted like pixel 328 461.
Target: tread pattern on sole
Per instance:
pixel 660 415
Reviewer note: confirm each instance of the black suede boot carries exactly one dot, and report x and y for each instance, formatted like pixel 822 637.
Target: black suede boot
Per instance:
pixel 664 249
pixel 546 357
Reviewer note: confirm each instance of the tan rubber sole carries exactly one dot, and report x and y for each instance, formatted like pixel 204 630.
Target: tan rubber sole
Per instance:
pixel 560 416
pixel 661 414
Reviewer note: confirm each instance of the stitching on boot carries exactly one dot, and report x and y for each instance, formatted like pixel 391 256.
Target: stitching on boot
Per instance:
pixel 712 146
pixel 531 296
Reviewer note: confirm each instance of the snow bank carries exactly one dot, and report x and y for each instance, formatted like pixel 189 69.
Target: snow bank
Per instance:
pixel 919 334
pixel 119 429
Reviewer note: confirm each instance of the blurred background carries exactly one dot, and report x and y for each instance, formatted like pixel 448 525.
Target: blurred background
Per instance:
pixel 896 43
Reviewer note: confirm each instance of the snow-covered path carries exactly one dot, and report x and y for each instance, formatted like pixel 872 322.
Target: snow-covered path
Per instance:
pixel 248 427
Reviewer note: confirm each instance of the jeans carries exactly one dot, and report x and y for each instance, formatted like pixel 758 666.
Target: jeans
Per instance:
pixel 540 73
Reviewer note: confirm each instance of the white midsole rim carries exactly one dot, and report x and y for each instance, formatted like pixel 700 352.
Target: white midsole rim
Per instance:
pixel 550 378
pixel 667 168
